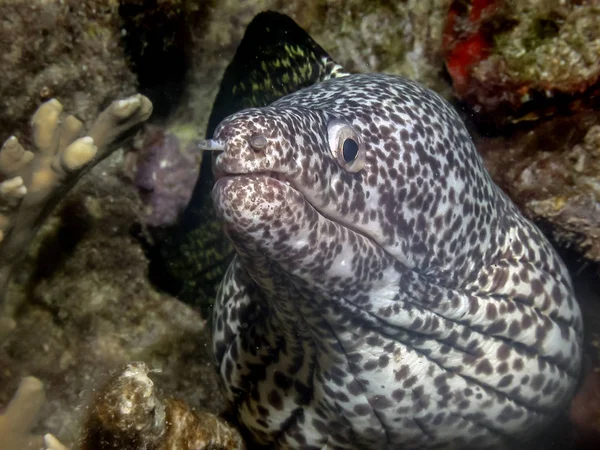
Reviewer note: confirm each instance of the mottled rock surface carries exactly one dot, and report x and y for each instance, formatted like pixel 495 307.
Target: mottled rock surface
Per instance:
pixel 65 49
pixel 552 171
pixel 513 60
pixel 164 166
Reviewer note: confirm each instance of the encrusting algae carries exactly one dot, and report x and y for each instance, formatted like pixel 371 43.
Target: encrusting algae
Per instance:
pixel 129 413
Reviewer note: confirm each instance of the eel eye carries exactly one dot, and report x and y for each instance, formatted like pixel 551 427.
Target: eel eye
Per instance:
pixel 350 150
pixel 346 146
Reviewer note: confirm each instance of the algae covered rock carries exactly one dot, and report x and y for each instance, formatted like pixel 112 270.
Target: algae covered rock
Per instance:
pixel 553 173
pixel 83 307
pixel 66 49
pixel 164 166
pixel 129 412
pixel 513 60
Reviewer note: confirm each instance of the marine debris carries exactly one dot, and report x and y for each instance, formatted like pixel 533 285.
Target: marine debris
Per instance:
pixel 33 182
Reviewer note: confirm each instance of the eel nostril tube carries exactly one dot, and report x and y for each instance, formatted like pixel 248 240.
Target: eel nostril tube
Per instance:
pixel 211 145
pixel 258 142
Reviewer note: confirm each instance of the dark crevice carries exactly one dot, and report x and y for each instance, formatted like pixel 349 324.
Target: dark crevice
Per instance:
pixel 157 38
pixel 424 430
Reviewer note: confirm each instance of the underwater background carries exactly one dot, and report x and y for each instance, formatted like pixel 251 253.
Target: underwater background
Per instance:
pixel 88 287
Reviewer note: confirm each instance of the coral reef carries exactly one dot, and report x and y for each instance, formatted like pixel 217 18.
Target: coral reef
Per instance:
pixel 80 305
pixel 553 173
pixel 513 60
pixel 400 37
pixel 32 183
pixel 20 416
pixel 60 48
pixel 129 413
pixel 83 307
pixel 164 166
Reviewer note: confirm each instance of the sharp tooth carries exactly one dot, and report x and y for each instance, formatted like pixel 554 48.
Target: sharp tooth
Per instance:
pixel 211 145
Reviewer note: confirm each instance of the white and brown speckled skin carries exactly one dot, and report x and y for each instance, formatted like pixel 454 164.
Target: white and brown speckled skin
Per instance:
pixel 407 305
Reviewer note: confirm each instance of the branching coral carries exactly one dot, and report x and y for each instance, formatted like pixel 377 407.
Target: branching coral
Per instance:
pixel 21 415
pixel 33 182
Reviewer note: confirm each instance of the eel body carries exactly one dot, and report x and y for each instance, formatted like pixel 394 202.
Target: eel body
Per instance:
pixel 384 293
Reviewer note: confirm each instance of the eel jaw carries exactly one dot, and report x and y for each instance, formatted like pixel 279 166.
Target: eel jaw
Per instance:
pixel 219 145
pixel 219 174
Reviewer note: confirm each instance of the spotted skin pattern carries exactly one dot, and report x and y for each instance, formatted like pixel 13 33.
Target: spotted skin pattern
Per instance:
pixel 407 305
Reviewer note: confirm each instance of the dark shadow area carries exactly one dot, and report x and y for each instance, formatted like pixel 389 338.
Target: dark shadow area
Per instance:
pixel 157 39
pixel 58 249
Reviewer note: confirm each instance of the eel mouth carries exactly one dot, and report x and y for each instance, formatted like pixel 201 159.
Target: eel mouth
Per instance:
pixel 282 183
pixel 255 191
pixel 274 175
pixel 271 178
pixel 276 182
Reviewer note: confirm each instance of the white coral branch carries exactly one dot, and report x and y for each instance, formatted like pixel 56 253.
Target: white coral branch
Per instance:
pixel 51 443
pixel 21 415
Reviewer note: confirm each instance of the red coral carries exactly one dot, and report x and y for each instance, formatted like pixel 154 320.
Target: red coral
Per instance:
pixel 465 41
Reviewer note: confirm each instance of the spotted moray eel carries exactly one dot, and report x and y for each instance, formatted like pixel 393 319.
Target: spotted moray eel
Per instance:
pixel 384 293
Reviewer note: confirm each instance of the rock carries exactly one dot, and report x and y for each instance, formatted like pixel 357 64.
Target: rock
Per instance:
pixel 514 60
pixel 164 167
pixel 552 172
pixel 83 307
pixel 129 413
pixel 66 49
